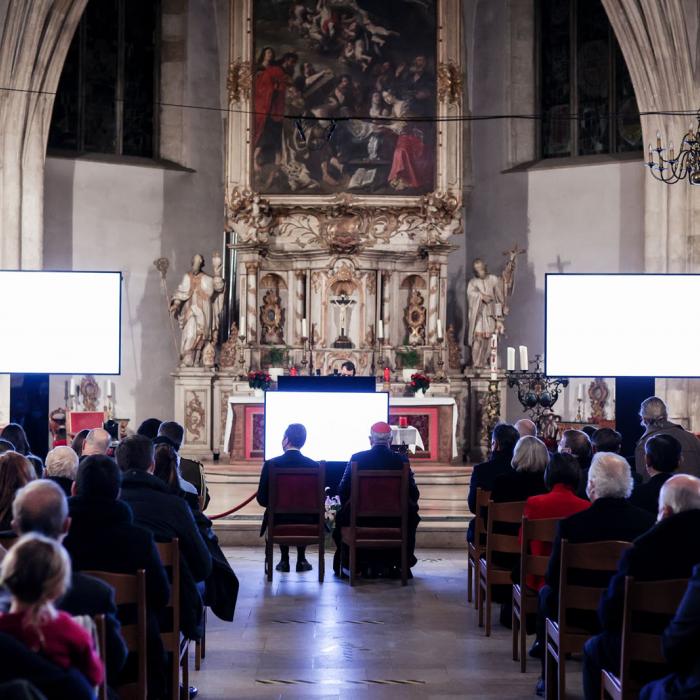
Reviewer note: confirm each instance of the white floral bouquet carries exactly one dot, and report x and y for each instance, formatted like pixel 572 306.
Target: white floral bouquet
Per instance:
pixel 332 507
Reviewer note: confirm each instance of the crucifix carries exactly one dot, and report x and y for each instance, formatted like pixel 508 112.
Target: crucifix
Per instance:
pixel 343 303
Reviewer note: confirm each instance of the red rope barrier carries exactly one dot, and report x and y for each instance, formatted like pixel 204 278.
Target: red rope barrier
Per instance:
pixel 234 509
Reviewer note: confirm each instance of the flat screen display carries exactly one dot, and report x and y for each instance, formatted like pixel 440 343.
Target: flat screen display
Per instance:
pixel 337 424
pixel 60 322
pixel 622 325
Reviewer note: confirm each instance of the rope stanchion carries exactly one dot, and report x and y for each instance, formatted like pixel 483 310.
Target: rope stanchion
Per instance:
pixel 234 509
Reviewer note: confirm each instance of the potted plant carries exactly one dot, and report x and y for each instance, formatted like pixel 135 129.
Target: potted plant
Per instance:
pixel 420 383
pixel 276 358
pixel 410 361
pixel 259 381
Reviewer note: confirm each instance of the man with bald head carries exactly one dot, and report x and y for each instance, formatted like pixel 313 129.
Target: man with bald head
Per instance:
pixel 525 427
pixel 97 442
pixel 670 550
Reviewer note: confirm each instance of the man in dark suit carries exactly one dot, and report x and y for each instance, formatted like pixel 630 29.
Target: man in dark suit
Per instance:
pixel 681 641
pixel 663 455
pixel 292 442
pixel 610 517
pixel 379 456
pixel 578 444
pixel 667 551
pixel 484 475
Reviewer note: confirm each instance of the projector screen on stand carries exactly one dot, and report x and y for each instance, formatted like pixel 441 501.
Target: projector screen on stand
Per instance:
pixel 60 322
pixel 622 325
pixel 337 424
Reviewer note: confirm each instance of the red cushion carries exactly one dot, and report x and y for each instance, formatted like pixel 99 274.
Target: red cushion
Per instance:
pixel 374 533
pixel 379 495
pixel 297 492
pixel 295 531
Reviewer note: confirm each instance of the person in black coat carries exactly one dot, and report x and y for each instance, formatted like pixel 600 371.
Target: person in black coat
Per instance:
pixel 663 456
pixel 681 641
pixel 484 475
pixel 292 441
pixel 379 456
pixel 578 444
pixel 667 551
pixel 14 433
pixel 526 478
pixel 166 516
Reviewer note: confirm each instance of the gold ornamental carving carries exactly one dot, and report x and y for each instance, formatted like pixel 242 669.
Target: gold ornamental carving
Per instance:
pixel 598 393
pixel 229 349
pixel 454 356
pixel 239 81
pixel 195 416
pixel 450 82
pixel 272 319
pixel 414 318
pixel 250 216
pixel 90 391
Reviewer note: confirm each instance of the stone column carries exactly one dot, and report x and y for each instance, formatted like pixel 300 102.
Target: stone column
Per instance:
pixel 433 302
pixel 251 270
pixel 299 304
pixel 386 306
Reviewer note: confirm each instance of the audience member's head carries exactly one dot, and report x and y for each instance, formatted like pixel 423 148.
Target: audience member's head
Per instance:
pixel 530 455
pixel 294 437
pixel 135 452
pixel 380 434
pixel 16 471
pixel 503 438
pixel 173 431
pixel 41 506
pixel 663 454
pixel 79 441
pixel 653 412
pixel 609 477
pixel 680 493
pixel 166 466
pixel 98 479
pixel 14 433
pixel 577 443
pixel 97 442
pixel 347 369
pixel 149 428
pixel 606 440
pixel 36 571
pixel 112 427
pixel 562 469
pixel 61 462
pixel 6 446
pixel 589 430
pixel 525 427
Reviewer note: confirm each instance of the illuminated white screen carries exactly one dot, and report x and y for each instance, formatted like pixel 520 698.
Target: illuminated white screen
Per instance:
pixel 337 424
pixel 622 325
pixel 60 322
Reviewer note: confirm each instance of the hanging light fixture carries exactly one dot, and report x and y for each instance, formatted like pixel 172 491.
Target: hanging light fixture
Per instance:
pixel 677 167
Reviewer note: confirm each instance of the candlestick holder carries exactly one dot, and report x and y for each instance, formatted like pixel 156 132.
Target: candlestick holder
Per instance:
pixel 440 351
pixel 304 361
pixel 579 415
pixel 311 349
pixel 241 345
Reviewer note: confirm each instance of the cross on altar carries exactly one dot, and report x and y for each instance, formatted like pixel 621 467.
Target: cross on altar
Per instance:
pixel 559 264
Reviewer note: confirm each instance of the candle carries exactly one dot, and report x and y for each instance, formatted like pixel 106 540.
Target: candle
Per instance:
pixel 304 328
pixel 403 421
pixel 73 387
pixel 380 329
pixel 510 359
pixel 439 329
pixel 387 375
pixel 658 140
pixel 241 326
pixel 523 358
pixel 498 310
pixel 580 392
pixel 651 155
pixel 293 371
pixel 494 376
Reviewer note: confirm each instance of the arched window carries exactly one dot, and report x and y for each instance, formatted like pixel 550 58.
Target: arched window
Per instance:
pixel 582 73
pixel 107 95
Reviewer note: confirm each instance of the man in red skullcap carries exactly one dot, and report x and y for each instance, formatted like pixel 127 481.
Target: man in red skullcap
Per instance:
pixel 379 456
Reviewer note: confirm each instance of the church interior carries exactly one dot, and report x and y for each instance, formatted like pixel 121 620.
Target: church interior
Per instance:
pixel 334 225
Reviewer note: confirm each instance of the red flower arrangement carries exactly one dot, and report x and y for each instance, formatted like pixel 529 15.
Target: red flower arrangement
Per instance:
pixel 419 382
pixel 259 380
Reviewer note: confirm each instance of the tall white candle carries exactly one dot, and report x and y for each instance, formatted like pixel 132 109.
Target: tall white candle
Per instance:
pixel 241 326
pixel 439 329
pixel 105 388
pixel 73 387
pixel 523 358
pixel 304 328
pixel 380 329
pixel 510 359
pixel 494 376
pixel 580 392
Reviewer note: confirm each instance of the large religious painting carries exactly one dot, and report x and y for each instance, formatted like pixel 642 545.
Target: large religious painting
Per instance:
pixel 359 75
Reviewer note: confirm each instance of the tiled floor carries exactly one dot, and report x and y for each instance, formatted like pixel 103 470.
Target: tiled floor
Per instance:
pixel 296 638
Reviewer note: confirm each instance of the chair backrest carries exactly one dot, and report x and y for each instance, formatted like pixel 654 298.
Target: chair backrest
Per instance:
pixel 643 646
pixel 297 490
pixel 378 493
pixel 101 634
pixel 130 589
pixel 544 530
pixel 170 559
pixel 482 502
pixel 510 513
pixel 602 557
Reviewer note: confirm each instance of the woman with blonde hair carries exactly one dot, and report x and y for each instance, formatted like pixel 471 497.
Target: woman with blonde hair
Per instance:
pixel 37 571
pixel 16 471
pixel 530 458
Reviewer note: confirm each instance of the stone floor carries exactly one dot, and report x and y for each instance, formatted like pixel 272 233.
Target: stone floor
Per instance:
pixel 296 638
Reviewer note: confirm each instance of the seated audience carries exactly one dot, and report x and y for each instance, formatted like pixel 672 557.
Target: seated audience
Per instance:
pixel 61 467
pixel 6 446
pixel 526 478
pixel 662 454
pixel 103 537
pixel 97 442
pixel 16 471
pixel 37 571
pixel 191 470
pixel 610 517
pixel 41 507
pixel 149 428
pixel 670 550
pixel 589 430
pixel 681 641
pixel 503 440
pixel 525 427
pixel 292 441
pixel 14 433
pixel 78 441
pixel 379 456
pixel 166 516
pixel 578 444
pixel 606 440
pixel 654 417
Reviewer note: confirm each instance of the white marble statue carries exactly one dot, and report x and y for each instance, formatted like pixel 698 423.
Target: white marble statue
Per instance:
pixel 197 304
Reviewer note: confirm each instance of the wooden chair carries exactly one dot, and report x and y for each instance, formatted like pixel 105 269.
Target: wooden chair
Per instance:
pixel 526 599
pixel 490 573
pixel 101 634
pixel 174 643
pixel 377 493
pixel 660 598
pixel 130 589
pixel 200 645
pixel 475 549
pixel 297 491
pixel 562 637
